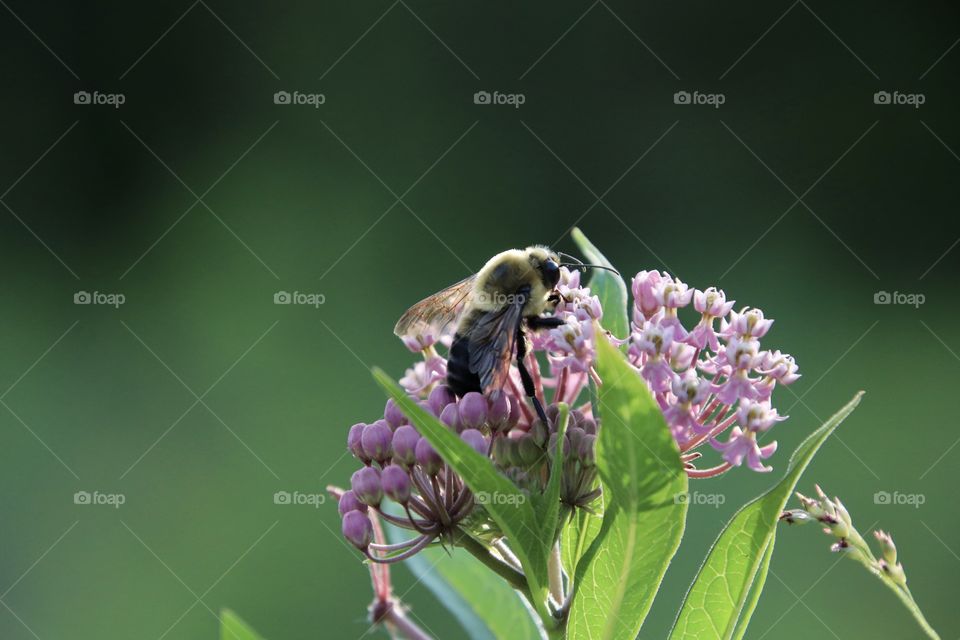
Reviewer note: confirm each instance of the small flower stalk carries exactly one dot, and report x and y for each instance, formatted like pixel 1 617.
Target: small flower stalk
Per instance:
pixel 836 521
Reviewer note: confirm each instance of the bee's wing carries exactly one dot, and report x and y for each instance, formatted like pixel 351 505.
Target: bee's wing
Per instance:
pixel 434 315
pixel 493 339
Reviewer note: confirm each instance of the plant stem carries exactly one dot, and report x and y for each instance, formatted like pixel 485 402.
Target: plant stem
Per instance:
pixel 555 574
pixel 516 579
pixel 396 618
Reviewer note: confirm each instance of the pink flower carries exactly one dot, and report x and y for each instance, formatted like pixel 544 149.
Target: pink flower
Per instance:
pixel 416 344
pixel 749 323
pixel 645 300
pixel 743 445
pixel 757 416
pixel 779 366
pixel 424 374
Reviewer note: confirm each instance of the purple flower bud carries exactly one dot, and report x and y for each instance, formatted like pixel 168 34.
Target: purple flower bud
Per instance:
pixel 587 452
pixel 575 436
pixel 405 440
pixel 589 426
pixel 348 502
pixel 476 440
pixel 498 410
pixel 393 415
pixel 528 452
pixel 354 442
pixel 553 412
pixel 503 451
pixel 376 441
pixel 515 412
pixel 473 410
pixel 396 483
pixel 576 417
pixel 428 458
pixel 440 397
pixel 450 416
pixel 539 433
pixel 357 529
pixel 552 447
pixel 366 486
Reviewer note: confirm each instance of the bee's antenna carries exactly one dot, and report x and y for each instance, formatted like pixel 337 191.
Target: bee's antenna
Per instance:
pixel 583 267
pixel 569 257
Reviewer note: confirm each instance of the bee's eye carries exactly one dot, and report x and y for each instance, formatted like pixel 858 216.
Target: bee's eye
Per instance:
pixel 551 273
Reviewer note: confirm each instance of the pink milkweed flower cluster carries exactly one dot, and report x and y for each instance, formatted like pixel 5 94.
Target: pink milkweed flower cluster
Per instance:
pixel 711 379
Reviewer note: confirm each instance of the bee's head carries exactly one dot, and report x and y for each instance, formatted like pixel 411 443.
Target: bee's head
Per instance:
pixel 546 264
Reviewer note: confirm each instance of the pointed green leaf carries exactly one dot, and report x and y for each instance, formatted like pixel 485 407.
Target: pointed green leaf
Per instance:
pixel 729 582
pixel 578 534
pixel 607 286
pixel 643 521
pixel 516 518
pixel 233 628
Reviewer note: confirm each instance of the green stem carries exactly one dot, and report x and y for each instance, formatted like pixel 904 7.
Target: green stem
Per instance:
pixel 516 579
pixel 865 557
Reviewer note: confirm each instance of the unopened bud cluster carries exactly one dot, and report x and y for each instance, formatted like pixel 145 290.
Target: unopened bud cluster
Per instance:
pixel 837 522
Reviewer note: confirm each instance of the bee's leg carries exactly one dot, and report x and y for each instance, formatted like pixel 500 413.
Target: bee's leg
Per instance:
pixel 527 379
pixel 544 322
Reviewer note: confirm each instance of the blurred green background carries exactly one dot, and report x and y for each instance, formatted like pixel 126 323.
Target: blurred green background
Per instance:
pixel 199 398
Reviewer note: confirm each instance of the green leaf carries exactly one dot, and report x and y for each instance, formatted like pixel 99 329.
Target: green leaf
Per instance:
pixel 643 521
pixel 515 518
pixel 754 596
pixel 233 628
pixel 483 603
pixel 578 534
pixel 729 583
pixel 607 286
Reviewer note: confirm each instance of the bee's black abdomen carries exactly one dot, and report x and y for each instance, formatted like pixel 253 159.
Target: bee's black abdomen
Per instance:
pixel 459 377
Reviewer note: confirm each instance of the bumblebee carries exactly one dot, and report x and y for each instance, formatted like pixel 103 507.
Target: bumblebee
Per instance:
pixel 513 292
